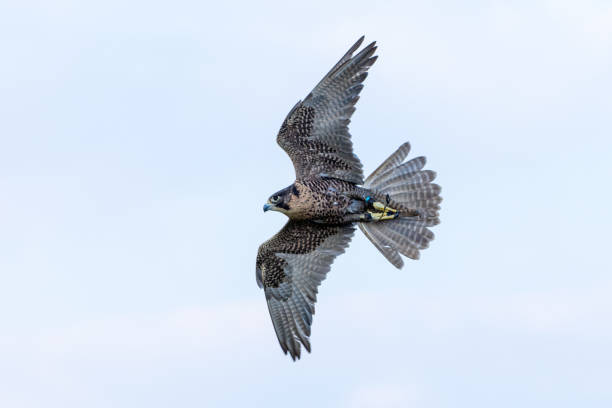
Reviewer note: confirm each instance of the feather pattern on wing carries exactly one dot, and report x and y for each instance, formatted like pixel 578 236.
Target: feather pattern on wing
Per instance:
pixel 290 266
pixel 315 133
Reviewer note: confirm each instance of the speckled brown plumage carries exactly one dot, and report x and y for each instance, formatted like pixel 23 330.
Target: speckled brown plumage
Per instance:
pixel 296 237
pixel 310 156
pixel 394 206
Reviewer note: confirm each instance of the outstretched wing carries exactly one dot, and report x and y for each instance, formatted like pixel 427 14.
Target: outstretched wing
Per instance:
pixel 290 267
pixel 315 132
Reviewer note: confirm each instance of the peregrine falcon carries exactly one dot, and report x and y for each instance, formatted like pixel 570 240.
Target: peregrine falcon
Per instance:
pixel 394 207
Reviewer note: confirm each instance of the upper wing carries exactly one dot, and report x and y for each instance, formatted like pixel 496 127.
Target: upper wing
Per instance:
pixel 290 266
pixel 315 132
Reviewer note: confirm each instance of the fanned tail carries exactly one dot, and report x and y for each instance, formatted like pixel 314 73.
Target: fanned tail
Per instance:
pixel 418 199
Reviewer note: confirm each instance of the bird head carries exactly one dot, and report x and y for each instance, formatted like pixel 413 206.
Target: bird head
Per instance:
pixel 279 201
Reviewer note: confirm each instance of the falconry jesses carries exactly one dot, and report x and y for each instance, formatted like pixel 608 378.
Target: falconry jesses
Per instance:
pixel 393 207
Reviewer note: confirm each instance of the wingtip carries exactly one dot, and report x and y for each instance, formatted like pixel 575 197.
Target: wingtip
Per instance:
pixel 371 46
pixel 295 355
pixel 355 46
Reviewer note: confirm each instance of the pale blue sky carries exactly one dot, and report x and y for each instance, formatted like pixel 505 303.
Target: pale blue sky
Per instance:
pixel 137 146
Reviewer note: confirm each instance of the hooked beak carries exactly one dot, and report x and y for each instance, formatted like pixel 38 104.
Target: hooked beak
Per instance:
pixel 267 207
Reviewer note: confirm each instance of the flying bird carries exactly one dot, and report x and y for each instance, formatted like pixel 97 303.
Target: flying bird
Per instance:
pixel 394 207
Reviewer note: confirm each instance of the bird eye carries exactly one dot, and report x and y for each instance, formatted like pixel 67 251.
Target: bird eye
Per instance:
pixel 275 198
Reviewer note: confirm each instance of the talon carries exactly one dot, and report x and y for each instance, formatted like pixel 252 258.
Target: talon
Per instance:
pixel 393 215
pixel 380 216
pixel 380 211
pixel 389 216
pixel 382 207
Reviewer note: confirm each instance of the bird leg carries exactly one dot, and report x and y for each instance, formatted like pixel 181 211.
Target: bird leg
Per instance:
pixel 378 211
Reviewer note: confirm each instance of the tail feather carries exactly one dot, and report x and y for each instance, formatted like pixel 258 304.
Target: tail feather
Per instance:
pixel 411 187
pixel 403 170
pixel 423 193
pixel 392 161
pixel 410 182
pixel 409 234
pixel 382 243
pixel 399 243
